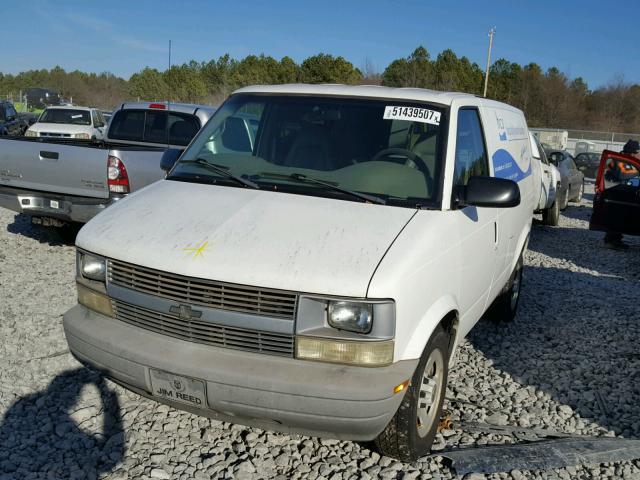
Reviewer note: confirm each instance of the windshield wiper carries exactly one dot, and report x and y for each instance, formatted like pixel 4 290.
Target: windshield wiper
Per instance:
pixel 299 177
pixel 222 170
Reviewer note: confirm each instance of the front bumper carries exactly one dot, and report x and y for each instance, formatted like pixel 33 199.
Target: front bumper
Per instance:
pixel 69 208
pixel 284 394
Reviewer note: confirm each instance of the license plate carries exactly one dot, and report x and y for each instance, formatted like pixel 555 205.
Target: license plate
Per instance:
pixel 177 388
pixel 54 204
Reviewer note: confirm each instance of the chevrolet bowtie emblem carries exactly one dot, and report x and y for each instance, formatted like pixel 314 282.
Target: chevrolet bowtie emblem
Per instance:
pixel 185 312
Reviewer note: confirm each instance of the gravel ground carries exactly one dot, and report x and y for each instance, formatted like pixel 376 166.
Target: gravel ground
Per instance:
pixel 569 363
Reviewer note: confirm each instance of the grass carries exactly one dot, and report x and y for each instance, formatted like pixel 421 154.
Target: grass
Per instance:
pixel 20 107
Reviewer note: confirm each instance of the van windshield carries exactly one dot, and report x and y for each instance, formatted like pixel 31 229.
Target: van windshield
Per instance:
pixel 389 150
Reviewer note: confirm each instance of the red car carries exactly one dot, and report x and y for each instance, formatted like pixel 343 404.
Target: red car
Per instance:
pixel 616 205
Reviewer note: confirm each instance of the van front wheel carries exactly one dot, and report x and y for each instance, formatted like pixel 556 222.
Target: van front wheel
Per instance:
pixel 410 433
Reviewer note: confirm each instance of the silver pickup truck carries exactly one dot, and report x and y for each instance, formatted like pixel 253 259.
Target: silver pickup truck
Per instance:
pixel 64 182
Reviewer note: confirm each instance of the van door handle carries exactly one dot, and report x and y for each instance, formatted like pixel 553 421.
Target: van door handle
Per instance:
pixel 44 155
pixel 495 232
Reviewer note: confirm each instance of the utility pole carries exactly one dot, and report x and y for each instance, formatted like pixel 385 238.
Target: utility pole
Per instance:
pixel 492 31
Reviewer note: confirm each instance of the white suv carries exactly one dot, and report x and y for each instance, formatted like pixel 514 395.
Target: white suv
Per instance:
pixel 69 122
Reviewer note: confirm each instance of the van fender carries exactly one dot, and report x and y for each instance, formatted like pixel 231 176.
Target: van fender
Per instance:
pixel 420 335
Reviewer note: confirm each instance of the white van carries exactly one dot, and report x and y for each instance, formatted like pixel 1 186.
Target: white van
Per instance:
pixel 312 273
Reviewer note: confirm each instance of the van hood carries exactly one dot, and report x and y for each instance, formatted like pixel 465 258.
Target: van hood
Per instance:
pixel 250 237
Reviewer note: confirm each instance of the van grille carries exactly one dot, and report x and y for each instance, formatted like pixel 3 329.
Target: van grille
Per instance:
pixel 206 293
pixel 197 331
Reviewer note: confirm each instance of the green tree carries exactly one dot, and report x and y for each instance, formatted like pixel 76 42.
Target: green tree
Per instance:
pixel 414 71
pixel 324 68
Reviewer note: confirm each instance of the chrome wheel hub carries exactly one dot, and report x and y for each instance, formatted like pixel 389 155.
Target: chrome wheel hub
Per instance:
pixel 430 392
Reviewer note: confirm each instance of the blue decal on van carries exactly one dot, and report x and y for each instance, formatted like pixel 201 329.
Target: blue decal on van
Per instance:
pixel 505 166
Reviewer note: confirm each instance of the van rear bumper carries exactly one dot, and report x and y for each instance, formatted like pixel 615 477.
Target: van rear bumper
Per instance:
pixel 269 392
pixel 69 208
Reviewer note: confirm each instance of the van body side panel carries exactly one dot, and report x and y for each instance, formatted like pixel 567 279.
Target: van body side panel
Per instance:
pixel 509 150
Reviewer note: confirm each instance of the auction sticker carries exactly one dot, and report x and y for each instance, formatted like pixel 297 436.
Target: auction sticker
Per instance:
pixel 412 114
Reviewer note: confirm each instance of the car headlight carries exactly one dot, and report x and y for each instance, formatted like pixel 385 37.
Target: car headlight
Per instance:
pixel 351 316
pixel 83 136
pixel 30 133
pixel 93 267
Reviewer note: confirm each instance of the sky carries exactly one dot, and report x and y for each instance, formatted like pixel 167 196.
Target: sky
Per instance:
pixel 582 38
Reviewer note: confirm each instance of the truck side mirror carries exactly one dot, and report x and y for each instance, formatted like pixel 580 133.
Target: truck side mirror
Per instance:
pixel 488 192
pixel 169 158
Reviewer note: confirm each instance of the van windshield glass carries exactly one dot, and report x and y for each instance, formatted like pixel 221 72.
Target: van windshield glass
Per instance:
pixel 388 149
pixel 66 116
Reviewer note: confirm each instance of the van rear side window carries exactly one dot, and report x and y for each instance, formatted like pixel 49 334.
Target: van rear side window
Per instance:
pixel 149 126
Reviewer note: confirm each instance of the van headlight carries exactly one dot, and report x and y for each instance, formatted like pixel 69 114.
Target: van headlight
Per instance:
pixel 82 136
pixel 30 133
pixel 93 267
pixel 351 331
pixel 351 316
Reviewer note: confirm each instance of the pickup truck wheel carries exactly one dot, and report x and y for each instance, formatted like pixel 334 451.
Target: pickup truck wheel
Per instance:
pixel 410 433
pixel 551 215
pixel 504 307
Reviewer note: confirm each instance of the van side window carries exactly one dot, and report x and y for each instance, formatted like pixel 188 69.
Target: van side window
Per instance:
pixel 471 154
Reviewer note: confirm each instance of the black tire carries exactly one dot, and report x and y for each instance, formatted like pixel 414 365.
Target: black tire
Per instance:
pixel 551 215
pixel 578 197
pixel 403 438
pixel 505 307
pixel 564 202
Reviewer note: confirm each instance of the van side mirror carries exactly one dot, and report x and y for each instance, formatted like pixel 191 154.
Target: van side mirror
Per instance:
pixel 169 158
pixel 487 192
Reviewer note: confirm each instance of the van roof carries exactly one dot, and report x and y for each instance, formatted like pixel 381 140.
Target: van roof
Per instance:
pixel 369 91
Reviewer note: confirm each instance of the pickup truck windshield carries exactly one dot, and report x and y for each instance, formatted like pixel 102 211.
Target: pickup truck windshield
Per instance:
pixel 390 150
pixel 66 116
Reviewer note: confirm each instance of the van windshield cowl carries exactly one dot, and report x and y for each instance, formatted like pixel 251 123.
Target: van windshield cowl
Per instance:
pixel 387 150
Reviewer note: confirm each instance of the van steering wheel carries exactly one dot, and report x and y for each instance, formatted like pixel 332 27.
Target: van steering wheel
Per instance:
pixel 408 154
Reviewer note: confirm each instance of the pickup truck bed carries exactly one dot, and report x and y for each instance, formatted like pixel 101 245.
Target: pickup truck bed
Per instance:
pixel 67 179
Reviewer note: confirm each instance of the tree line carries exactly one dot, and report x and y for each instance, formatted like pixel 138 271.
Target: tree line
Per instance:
pixel 549 98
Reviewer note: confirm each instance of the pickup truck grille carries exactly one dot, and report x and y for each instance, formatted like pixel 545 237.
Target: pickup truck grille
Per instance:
pixel 206 293
pixel 196 331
